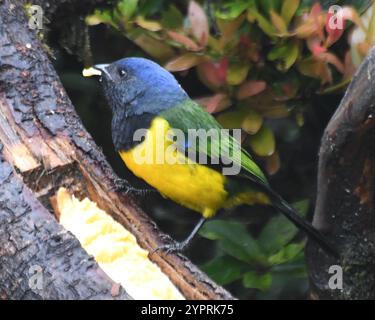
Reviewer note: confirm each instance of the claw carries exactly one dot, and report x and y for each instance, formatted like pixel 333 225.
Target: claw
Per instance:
pixel 120 184
pixel 138 192
pixel 123 185
pixel 181 246
pixel 174 247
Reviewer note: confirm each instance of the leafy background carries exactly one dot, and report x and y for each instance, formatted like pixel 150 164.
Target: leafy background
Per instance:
pixel 274 68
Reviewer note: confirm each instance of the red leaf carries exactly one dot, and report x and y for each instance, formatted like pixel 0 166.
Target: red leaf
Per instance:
pixel 251 88
pixel 222 68
pixel 333 28
pixel 199 22
pixel 315 46
pixel 214 74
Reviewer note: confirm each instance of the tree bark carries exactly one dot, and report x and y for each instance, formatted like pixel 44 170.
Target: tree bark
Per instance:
pixel 45 147
pixel 345 202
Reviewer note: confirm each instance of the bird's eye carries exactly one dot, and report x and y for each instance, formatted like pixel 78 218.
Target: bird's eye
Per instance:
pixel 122 72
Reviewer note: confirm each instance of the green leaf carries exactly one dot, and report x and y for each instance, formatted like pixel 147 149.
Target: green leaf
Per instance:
pixel 127 8
pixel 302 207
pixel 100 16
pixel 287 53
pixel 291 58
pixel 279 51
pixel 286 254
pixel 289 9
pixel 232 119
pixel 291 279
pixel 254 280
pixel 263 23
pixel 149 8
pixel 235 240
pixel 232 10
pixel 276 234
pixel 278 22
pixel 252 122
pixel 225 269
pixel 269 5
pixel 150 25
pixel 172 18
pixel 237 73
pixel 279 231
pixel 263 142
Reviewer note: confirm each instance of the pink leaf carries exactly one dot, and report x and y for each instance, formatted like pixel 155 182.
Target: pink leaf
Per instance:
pixel 199 22
pixel 184 40
pixel 215 103
pixel 316 9
pixel 315 46
pixel 250 88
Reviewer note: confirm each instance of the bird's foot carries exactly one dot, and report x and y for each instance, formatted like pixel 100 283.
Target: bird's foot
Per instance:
pixel 120 184
pixel 138 192
pixel 123 185
pixel 174 247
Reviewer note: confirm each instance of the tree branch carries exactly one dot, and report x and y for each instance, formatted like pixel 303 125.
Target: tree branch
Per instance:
pixel 45 147
pixel 345 202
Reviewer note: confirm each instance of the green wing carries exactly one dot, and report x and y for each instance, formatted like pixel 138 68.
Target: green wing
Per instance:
pixel 190 115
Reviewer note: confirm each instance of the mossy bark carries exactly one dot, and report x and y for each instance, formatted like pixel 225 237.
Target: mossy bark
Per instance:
pixel 345 202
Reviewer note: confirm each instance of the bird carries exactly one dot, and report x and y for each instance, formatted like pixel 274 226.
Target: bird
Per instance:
pixel 149 109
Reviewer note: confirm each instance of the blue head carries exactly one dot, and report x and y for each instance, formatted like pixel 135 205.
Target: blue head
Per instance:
pixel 134 86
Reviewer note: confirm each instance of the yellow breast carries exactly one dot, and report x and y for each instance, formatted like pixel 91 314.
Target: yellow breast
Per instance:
pixel 162 166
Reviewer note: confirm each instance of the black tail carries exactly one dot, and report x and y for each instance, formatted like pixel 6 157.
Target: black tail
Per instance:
pixel 301 223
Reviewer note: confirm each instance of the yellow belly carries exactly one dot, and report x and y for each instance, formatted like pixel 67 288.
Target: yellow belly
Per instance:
pixel 189 184
pixel 192 185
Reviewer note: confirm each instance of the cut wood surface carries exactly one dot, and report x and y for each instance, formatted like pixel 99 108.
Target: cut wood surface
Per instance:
pixel 44 147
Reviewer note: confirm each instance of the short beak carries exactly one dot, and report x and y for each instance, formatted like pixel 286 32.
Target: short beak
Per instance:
pixel 97 70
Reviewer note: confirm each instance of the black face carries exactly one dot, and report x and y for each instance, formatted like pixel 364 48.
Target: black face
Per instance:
pixel 139 85
pixel 137 90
